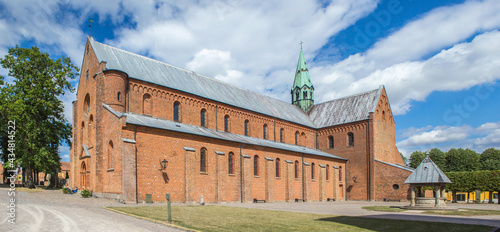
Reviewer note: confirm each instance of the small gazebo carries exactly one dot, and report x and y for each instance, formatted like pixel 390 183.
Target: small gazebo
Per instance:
pixel 427 174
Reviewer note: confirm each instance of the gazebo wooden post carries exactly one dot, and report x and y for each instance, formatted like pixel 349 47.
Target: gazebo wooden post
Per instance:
pixel 443 191
pixel 412 189
pixel 438 195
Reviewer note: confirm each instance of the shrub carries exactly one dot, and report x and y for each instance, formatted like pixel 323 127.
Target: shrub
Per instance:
pixel 85 193
pixel 65 190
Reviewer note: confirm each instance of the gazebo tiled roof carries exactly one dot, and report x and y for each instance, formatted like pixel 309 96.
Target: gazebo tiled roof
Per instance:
pixel 427 173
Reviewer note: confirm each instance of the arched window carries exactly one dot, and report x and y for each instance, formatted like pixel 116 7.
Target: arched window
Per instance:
pixel 81 133
pixel 330 142
pixel 350 136
pixel 118 96
pixel 89 130
pixel 247 129
pixel 86 104
pixel 176 111
pixel 296 169
pixel 305 95
pixel 277 167
pixel 203 160
pixel 147 104
pixel 340 173
pixel 297 96
pixel 281 134
pixel 256 165
pixel 383 115
pixel 230 163
pixel 303 139
pixel 226 123
pixel 327 172
pixel 87 75
pixel 297 138
pixel 110 154
pixel 264 131
pixel 203 113
pixel 312 171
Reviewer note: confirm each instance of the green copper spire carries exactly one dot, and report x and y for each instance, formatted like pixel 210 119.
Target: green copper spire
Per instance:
pixel 302 73
pixel 302 89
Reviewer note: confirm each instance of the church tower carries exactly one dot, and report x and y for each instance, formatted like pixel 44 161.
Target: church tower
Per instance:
pixel 302 89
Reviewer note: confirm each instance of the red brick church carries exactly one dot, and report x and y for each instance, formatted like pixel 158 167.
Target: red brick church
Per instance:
pixel 141 126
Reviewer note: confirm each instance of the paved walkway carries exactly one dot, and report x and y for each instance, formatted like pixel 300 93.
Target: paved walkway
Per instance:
pixel 353 208
pixel 50 210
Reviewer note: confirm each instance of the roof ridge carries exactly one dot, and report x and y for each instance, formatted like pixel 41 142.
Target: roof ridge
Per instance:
pixel 186 70
pixel 349 96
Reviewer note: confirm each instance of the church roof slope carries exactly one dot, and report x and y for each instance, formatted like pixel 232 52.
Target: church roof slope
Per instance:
pixel 141 120
pixel 427 173
pixel 345 110
pixel 163 74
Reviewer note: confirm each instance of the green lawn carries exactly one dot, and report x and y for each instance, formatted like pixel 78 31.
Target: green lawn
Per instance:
pixel 221 218
pixel 464 212
pixel 383 208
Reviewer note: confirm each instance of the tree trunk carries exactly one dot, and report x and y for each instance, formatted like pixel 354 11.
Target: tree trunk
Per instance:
pixel 490 198
pixel 454 195
pixel 52 182
pixel 29 181
pixel 468 197
pixel 23 180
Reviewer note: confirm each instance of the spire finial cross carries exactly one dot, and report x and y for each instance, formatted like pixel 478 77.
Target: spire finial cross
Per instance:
pixel 301 45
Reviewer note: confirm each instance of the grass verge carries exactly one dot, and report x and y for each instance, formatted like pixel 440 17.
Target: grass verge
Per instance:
pixel 383 208
pixel 23 189
pixel 221 218
pixel 464 212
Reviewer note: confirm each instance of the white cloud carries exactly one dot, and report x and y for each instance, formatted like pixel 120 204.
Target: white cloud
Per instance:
pixel 488 126
pixel 396 61
pixel 437 135
pixel 445 137
pixel 261 37
pixel 491 140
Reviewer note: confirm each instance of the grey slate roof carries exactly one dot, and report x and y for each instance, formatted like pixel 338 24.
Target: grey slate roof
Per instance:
pixel 397 166
pixel 141 120
pixel 345 110
pixel 427 173
pixel 163 74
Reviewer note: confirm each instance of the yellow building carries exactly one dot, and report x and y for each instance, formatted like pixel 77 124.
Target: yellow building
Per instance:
pixel 462 196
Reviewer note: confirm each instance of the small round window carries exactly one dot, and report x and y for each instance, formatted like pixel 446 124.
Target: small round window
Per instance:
pixel 395 186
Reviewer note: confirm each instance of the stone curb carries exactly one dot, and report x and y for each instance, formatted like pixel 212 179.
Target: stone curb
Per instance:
pixel 156 221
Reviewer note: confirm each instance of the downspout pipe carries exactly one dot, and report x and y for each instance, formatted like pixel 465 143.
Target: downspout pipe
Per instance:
pixel 136 177
pixel 241 174
pixel 369 164
pixel 303 179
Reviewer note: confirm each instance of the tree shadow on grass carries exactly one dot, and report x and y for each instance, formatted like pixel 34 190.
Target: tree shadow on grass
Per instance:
pixel 379 224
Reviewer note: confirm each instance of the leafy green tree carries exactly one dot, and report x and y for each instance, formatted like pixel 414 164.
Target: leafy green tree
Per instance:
pixel 439 158
pixel 32 102
pixel 490 159
pixel 416 158
pixel 460 160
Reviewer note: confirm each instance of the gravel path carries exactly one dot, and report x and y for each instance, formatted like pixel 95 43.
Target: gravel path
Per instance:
pixel 50 210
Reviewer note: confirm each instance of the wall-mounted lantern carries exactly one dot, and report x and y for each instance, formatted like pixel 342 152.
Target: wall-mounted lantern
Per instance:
pixel 164 164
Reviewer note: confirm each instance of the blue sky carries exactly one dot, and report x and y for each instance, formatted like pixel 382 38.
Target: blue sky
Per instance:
pixel 439 60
